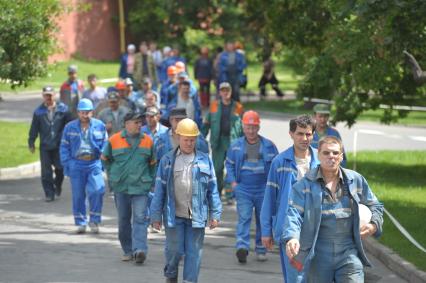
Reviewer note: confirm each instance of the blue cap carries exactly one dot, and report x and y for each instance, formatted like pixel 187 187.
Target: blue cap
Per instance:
pixel 85 105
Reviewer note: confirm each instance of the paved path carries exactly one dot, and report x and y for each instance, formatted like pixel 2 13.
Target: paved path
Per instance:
pixel 37 244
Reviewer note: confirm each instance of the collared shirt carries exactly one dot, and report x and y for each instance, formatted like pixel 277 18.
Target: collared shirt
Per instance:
pixel 182 176
pixel 328 194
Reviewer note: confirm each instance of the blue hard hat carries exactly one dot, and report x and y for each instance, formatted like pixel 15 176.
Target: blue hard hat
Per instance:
pixel 85 105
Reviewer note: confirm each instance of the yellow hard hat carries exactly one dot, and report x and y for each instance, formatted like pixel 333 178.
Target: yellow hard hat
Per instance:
pixel 187 128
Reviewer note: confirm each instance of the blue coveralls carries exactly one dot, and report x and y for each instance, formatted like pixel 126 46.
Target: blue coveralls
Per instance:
pixel 251 180
pixel 282 176
pixel 185 237
pixel 330 241
pixel 80 156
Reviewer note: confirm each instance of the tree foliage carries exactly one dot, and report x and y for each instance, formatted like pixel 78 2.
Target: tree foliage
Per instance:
pixel 351 51
pixel 26 38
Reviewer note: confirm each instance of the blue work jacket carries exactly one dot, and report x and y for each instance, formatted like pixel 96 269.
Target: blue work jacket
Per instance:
pixel 303 218
pixel 163 145
pixel 329 132
pixel 282 176
pixel 206 202
pixel 235 157
pixel 240 65
pixel 50 131
pixel 160 130
pixel 71 139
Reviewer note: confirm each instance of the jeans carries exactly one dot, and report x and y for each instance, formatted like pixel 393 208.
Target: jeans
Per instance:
pixel 49 158
pixel 183 240
pixel 132 222
pixel 246 202
pixel 87 179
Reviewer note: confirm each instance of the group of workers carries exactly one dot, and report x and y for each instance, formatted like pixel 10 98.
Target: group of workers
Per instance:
pixel 162 174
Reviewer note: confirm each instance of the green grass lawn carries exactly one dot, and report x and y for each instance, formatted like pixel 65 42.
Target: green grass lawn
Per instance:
pixel 399 181
pixel 14 145
pixel 296 107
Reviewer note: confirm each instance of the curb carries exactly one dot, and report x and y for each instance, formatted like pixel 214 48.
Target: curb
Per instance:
pixel 394 262
pixel 22 171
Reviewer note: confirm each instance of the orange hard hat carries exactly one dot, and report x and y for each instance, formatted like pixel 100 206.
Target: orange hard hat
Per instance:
pixel 251 118
pixel 171 70
pixel 180 66
pixel 120 85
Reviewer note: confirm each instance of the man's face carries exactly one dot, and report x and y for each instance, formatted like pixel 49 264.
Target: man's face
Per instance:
pixel 251 132
pixel 133 126
pixel 85 116
pixel 230 46
pixel 184 90
pixel 330 156
pixel 143 48
pixel 302 138
pixel 322 120
pixel 146 87
pixel 122 93
pixel 72 76
pixel 113 104
pixel 174 121
pixel 187 144
pixel 49 99
pixel 225 93
pixel 151 120
pixel 150 99
pixel 129 88
pixel 92 82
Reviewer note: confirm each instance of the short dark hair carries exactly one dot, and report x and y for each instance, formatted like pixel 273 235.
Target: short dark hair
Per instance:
pixel 91 77
pixel 303 121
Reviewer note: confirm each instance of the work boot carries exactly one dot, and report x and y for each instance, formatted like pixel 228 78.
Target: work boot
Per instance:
pixel 94 228
pixel 49 199
pixel 242 255
pixel 81 229
pixel 140 257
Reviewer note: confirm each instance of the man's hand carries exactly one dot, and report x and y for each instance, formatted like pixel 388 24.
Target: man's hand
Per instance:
pixel 213 224
pixel 268 242
pixel 156 225
pixel 32 149
pixel 292 248
pixel 368 230
pixel 234 184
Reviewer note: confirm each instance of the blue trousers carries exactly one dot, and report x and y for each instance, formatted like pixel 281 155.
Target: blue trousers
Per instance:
pixel 87 179
pixel 132 222
pixel 184 240
pixel 246 202
pixel 49 158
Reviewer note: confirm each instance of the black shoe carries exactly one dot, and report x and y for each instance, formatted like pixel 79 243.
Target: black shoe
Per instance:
pixel 140 257
pixel 49 199
pixel 58 191
pixel 242 255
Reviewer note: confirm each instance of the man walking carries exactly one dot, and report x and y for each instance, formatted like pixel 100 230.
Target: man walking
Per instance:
pixel 130 164
pixel 187 200
pixel 224 123
pixel 49 120
pixel 113 115
pixel 71 90
pixel 247 165
pixel 286 168
pixel 82 142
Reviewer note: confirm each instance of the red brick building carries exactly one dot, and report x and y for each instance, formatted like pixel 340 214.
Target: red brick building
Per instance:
pixel 91 34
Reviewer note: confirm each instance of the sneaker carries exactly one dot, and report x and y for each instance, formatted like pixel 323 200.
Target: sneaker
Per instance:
pixel 153 230
pixel 261 257
pixel 94 227
pixel 127 258
pixel 81 229
pixel 140 257
pixel 242 255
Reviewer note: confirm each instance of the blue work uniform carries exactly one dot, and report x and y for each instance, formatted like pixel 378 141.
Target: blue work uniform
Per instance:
pixel 160 130
pixel 329 132
pixel 80 153
pixel 251 177
pixel 185 236
pixel 328 229
pixel 282 176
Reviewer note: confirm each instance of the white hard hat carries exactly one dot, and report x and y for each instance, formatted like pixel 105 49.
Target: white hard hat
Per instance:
pixel 364 214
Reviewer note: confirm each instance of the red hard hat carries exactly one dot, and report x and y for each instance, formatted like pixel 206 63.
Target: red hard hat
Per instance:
pixel 120 85
pixel 251 118
pixel 180 66
pixel 171 70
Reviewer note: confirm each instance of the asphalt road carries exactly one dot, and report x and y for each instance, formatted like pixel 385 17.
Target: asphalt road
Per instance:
pixel 37 244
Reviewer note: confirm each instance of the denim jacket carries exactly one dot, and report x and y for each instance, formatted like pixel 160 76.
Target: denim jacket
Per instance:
pixel 206 203
pixel 303 217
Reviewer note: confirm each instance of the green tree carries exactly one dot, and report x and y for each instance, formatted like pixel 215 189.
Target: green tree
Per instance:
pixel 26 38
pixel 351 51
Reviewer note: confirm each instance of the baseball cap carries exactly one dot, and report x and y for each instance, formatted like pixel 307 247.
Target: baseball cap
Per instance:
pixel 72 69
pixel 322 109
pixel 152 111
pixel 48 90
pixel 178 113
pixel 113 95
pixel 132 116
pixel 225 85
pixel 128 81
